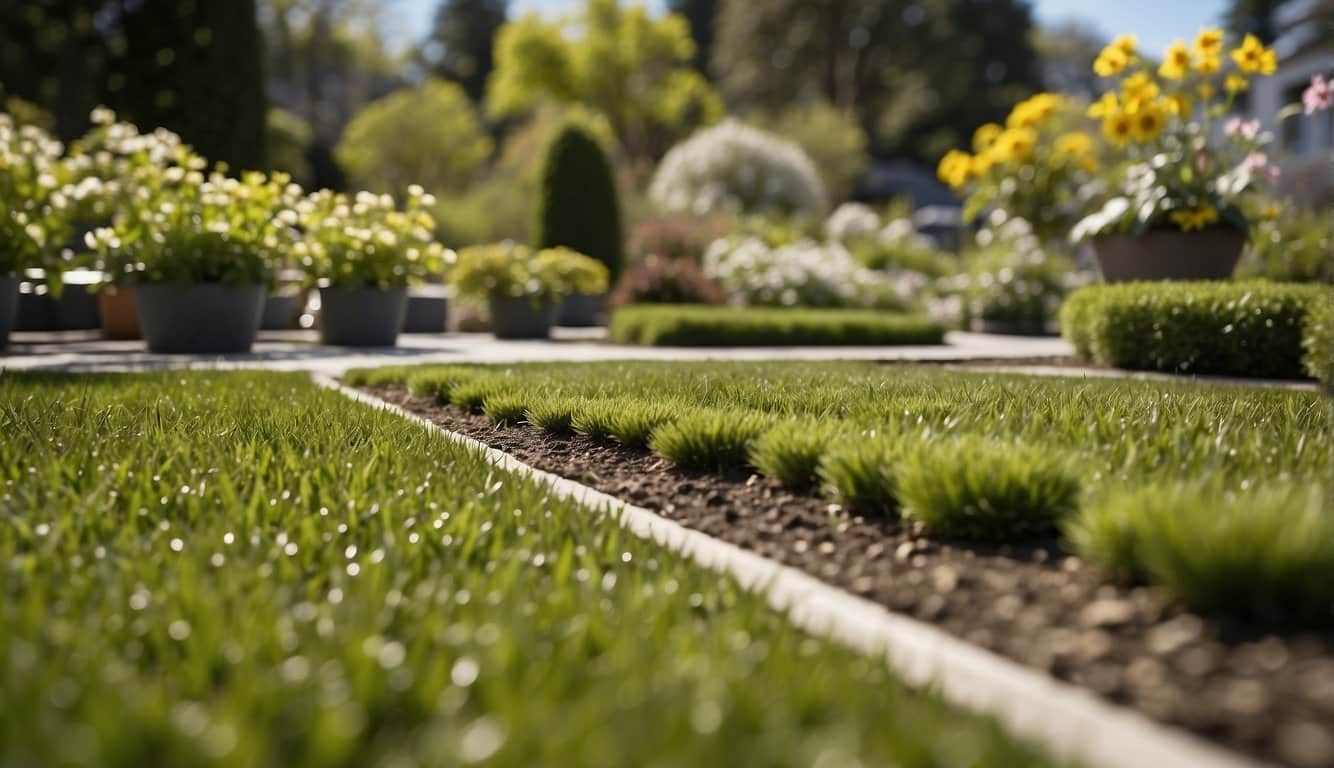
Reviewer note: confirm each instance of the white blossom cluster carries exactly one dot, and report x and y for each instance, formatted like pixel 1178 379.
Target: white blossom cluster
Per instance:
pixel 366 241
pixel 735 167
pixel 852 222
pixel 33 196
pixel 804 274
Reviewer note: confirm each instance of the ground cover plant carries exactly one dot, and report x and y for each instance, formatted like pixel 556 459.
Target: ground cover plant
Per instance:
pixel 977 457
pixel 704 326
pixel 245 569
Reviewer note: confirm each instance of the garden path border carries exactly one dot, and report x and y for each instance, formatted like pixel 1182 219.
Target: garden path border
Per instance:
pixel 1068 721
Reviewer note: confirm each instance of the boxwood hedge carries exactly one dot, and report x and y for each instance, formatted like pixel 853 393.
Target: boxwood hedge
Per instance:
pixel 706 326
pixel 1256 329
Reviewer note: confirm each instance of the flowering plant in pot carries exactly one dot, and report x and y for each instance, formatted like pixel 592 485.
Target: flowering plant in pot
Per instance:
pixel 524 287
pixel 34 218
pixel 1181 194
pixel 200 252
pixel 363 253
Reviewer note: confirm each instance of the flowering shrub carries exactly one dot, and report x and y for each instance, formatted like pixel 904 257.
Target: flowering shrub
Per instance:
pixel 803 274
pixel 893 244
pixel 851 221
pixel 661 280
pixel 366 242
pixel 515 271
pixel 34 223
pixel 1033 167
pixel 677 237
pixel 1157 123
pixel 732 166
pixel 1012 279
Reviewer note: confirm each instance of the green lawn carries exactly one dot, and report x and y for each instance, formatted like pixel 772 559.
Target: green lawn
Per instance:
pixel 986 457
pixel 244 569
pixel 689 325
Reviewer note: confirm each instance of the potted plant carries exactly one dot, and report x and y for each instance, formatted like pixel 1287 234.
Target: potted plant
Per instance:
pixel 524 288
pixel 34 223
pixel 1182 194
pixel 363 254
pixel 200 254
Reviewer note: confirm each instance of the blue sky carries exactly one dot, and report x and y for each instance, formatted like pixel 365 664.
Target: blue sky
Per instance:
pixel 1157 22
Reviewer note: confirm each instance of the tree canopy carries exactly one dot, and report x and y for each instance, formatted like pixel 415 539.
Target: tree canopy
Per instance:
pixel 462 40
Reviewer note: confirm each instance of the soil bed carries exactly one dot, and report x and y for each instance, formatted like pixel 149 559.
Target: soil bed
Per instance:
pixel 1264 692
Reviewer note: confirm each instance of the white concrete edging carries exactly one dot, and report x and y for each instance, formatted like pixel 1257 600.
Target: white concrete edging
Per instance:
pixel 1068 721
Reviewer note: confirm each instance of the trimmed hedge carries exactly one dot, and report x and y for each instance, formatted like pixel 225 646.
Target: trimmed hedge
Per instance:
pixel 1255 329
pixel 703 326
pixel 577 205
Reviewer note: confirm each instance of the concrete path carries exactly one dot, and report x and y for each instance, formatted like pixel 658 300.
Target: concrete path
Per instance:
pixel 300 350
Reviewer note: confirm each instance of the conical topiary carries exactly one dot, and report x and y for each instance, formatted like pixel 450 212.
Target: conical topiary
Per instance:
pixel 577 205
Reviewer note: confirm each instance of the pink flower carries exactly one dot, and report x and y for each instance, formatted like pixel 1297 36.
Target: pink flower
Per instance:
pixel 1257 162
pixel 1273 172
pixel 1319 95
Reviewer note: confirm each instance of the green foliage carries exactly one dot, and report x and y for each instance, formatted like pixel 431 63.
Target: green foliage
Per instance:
pixel 657 280
pixel 289 139
pixel 981 490
pixel 515 271
pixel 700 326
pixel 462 41
pixel 1239 329
pixel 577 207
pixel 505 409
pixel 791 452
pixel 386 376
pixel 427 135
pixel 713 440
pixel 1318 341
pixel 368 242
pixel 310 547
pixel 1295 248
pixel 832 137
pixel 438 383
pixel 863 474
pixel 554 415
pixel 471 395
pixel 624 63
pixel 1263 553
pixel 635 424
pixel 593 418
pixel 1013 284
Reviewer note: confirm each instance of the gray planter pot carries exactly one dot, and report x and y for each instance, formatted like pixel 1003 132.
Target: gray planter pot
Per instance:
pixel 1208 255
pixel 427 313
pixel 513 318
pixel 75 310
pixel 581 310
pixel 362 317
pixel 280 311
pixel 200 318
pixel 9 306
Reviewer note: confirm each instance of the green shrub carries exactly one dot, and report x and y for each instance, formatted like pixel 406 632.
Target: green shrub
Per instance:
pixel 593 418
pixel 1318 341
pixel 862 474
pixel 553 414
pixel 387 376
pixel 699 326
pixel 709 439
pixel 1240 329
pixel 986 491
pixel 1294 248
pixel 1263 554
pixel 439 383
pixel 791 452
pixel 577 205
pixel 472 395
pixel 634 423
pixel 505 408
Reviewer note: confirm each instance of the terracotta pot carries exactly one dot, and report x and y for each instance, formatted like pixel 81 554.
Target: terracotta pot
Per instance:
pixel 119 311
pixel 1167 255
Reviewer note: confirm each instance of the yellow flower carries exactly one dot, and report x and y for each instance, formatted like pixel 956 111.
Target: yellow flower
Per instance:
pixel 1074 143
pixel 1236 84
pixel 1147 123
pixel 1176 62
pixel 1209 42
pixel 1252 57
pixel 985 136
pixel 980 164
pixel 1138 89
pixel 955 168
pixel 1015 145
pixel 1195 218
pixel 1110 62
pixel 1180 104
pixel 1206 91
pixel 1125 44
pixel 1104 106
pixel 1271 212
pixel 1208 64
pixel 1116 127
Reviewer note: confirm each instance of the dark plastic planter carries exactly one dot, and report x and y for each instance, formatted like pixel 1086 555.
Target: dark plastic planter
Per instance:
pixel 580 310
pixel 75 310
pixel 362 317
pixel 522 318
pixel 200 318
pixel 428 312
pixel 1208 255
pixel 280 310
pixel 9 306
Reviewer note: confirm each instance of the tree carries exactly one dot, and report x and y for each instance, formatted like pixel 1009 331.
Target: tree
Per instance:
pixel 919 74
pixel 1066 53
pixel 427 135
pixel 577 205
pixel 462 40
pixel 1254 17
pixel 625 64
pixel 702 16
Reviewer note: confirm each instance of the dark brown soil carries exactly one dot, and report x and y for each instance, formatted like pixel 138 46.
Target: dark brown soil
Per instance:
pixel 1267 693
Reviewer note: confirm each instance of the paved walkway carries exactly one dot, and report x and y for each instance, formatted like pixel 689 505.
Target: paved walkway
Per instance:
pixel 299 350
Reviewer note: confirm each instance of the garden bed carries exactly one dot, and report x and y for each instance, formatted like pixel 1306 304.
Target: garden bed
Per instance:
pixel 685 325
pixel 245 569
pixel 1259 685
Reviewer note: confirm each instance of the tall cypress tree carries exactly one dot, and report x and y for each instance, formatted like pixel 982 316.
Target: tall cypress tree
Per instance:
pixel 462 42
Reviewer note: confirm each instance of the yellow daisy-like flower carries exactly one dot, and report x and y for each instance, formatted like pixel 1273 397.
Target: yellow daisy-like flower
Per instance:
pixel 955 168
pixel 1208 64
pixel 985 136
pixel 980 164
pixel 1209 42
pixel 1138 89
pixel 1074 143
pixel 1236 83
pixel 1176 62
pixel 1147 124
pixel 1252 57
pixel 1107 105
pixel 1206 91
pixel 1180 104
pixel 1195 218
pixel 1015 145
pixel 1126 44
pixel 1110 62
pixel 1116 128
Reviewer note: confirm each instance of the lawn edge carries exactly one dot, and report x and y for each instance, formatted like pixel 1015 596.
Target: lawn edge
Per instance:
pixel 1069 721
